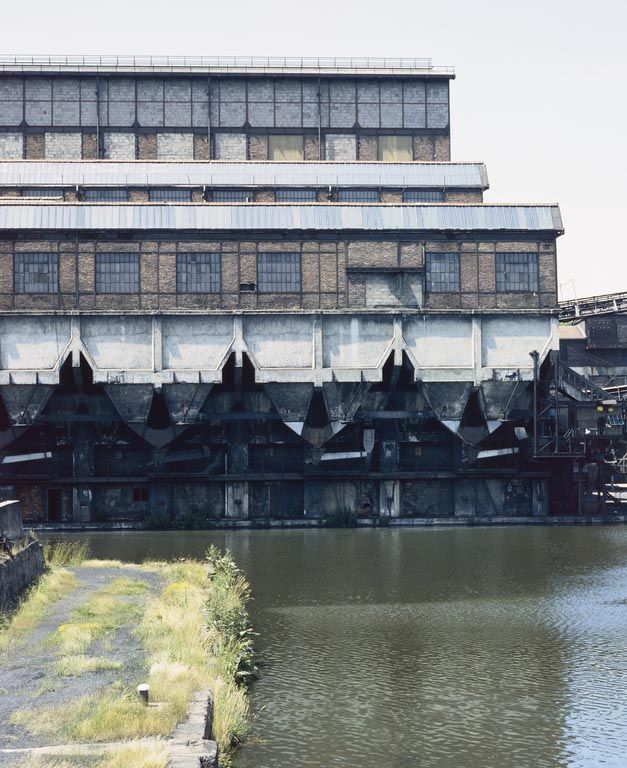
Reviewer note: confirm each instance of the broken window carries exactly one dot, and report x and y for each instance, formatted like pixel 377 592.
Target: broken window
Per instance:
pixel 395 149
pixel 517 272
pixel 442 272
pixel 286 148
pixel 278 272
pixel 36 272
pixel 198 272
pixel 117 273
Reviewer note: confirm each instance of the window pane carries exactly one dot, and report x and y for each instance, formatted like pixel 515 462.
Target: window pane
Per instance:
pixel 442 272
pixel 517 272
pixel 42 192
pixel 296 196
pixel 232 195
pixel 170 195
pixel 198 272
pixel 36 272
pixel 423 196
pixel 395 149
pixel 105 195
pixel 358 195
pixel 286 148
pixel 117 273
pixel 278 272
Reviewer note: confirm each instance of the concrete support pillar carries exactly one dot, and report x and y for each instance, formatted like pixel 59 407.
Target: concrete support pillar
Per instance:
pixel 161 506
pixel 540 497
pixel 314 498
pixel 477 351
pixel 236 500
pixel 389 456
pixel 390 498
pixel 82 467
pixel 237 458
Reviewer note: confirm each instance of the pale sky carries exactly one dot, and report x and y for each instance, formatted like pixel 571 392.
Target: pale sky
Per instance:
pixel 540 94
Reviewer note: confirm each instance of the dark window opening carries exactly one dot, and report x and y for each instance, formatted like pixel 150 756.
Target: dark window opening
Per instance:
pixel 232 195
pixel 358 195
pixel 423 196
pixel 442 272
pixel 105 195
pixel 117 273
pixel 140 495
pixel 198 272
pixel 36 272
pixel 170 195
pixel 296 196
pixel 278 272
pixel 517 272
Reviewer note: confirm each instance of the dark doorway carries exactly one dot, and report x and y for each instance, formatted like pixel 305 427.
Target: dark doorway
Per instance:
pixel 55 507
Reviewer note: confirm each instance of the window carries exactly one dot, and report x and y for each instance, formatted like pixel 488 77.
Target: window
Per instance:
pixel 117 273
pixel 170 195
pixel 105 195
pixel 442 272
pixel 198 272
pixel 423 196
pixel 278 272
pixel 286 148
pixel 395 149
pixel 36 272
pixel 358 195
pixel 296 196
pixel 232 195
pixel 42 192
pixel 140 495
pixel 517 272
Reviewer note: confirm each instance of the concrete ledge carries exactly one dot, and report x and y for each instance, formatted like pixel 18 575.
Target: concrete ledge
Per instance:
pixel 363 522
pixel 190 746
pixel 19 571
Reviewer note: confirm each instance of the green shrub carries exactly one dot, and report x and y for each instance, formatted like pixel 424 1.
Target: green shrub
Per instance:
pixel 342 517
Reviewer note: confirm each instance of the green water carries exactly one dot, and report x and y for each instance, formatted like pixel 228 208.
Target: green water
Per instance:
pixel 465 648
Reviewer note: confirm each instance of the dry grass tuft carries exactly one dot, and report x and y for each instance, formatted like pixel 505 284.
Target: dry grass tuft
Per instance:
pixel 73 665
pixel 65 553
pixel 52 586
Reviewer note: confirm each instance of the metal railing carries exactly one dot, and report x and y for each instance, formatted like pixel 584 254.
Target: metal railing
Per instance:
pixel 38 62
pixel 592 305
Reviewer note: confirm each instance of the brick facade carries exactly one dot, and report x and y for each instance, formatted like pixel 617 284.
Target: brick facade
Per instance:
pixel 333 274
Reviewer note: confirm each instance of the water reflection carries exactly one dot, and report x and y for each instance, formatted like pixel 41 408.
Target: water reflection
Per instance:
pixel 479 648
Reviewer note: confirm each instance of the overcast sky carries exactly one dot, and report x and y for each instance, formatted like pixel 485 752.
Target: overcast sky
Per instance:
pixel 540 94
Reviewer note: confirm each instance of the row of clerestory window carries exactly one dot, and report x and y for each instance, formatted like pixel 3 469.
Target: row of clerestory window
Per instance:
pixel 276 272
pixel 233 195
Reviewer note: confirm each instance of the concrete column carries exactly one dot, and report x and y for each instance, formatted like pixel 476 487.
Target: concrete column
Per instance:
pixel 236 500
pixel 157 344
pixel 477 356
pixel 314 498
pixel 389 456
pixel 390 498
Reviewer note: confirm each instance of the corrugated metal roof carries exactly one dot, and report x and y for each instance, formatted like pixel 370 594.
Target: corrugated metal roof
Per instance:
pixel 223 64
pixel 261 216
pixel 245 174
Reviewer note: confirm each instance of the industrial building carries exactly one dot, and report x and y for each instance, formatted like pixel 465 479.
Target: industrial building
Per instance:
pixel 252 289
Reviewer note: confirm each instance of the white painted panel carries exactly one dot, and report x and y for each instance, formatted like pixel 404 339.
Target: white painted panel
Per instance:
pixel 63 146
pixel 32 343
pixel 440 342
pixel 506 342
pixel 356 342
pixel 118 343
pixel 196 343
pixel 280 341
pixel 119 146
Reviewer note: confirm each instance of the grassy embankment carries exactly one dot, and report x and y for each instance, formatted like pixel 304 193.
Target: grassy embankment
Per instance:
pixel 195 636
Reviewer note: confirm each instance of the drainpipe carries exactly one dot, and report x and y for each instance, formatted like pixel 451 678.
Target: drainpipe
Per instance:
pixel 535 356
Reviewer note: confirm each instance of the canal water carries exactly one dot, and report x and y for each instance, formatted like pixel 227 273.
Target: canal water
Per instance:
pixel 462 648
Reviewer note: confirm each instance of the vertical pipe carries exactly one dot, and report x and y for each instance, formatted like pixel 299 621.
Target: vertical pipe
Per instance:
pixel 534 356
